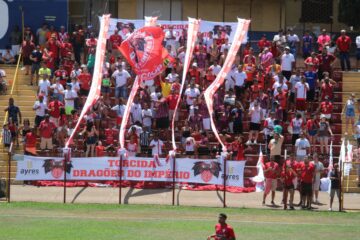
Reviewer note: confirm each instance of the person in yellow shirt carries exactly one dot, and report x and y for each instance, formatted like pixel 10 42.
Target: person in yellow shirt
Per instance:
pixel 165 87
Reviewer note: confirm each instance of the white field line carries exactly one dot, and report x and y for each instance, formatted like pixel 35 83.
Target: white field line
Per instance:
pixel 145 219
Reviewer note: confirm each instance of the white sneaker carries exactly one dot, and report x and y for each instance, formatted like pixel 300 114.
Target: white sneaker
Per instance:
pixel 330 209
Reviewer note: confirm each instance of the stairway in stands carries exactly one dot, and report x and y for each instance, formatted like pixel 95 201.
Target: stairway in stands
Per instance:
pixel 24 96
pixel 351 84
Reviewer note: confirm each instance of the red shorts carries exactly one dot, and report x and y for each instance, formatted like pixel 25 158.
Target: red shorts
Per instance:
pixel 300 104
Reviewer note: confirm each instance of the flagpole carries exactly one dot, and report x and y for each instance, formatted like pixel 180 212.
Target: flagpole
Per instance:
pixel 173 190
pixel 66 158
pixel 120 178
pixel 224 183
pixel 341 192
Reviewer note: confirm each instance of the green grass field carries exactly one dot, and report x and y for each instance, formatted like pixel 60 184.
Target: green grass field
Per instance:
pixel 46 221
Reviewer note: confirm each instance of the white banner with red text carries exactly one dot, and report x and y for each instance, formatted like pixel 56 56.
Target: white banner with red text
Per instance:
pixel 125 26
pixel 204 171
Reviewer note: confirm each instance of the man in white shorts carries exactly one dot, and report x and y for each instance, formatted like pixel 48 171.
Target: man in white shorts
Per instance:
pixel 319 168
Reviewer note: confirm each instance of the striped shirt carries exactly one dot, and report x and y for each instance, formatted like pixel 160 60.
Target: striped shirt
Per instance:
pixel 6 136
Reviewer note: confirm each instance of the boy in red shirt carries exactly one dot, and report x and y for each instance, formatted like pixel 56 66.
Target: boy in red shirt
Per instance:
pixel 223 231
pixel 307 173
pixel 271 171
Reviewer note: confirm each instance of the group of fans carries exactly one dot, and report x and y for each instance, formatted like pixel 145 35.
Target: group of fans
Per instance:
pixel 264 93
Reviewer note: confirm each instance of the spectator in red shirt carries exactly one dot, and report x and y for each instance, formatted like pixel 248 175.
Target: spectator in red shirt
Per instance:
pixel 312 62
pixel 343 44
pixel 326 61
pixel 54 110
pixel 27 47
pixel 30 143
pixel 62 74
pixel 85 82
pixel 271 171
pixel 223 231
pixel 65 48
pixel 263 43
pixel 195 73
pixel 100 149
pixel 49 58
pixel 326 88
pixel 326 108
pixel 115 41
pixel 282 99
pixel 171 101
pixel 307 173
pixel 47 129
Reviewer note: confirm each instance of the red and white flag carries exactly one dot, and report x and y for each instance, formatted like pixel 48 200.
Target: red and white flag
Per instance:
pixel 94 93
pixel 241 32
pixel 144 51
pixel 193 29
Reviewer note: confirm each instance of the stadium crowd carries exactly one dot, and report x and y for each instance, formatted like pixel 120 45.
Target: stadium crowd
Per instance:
pixel 264 93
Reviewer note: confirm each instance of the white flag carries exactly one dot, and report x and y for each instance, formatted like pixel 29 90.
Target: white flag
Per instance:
pixel 259 178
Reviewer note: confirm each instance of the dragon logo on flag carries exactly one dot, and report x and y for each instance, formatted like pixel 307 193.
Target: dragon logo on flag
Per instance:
pixel 207 170
pixel 56 167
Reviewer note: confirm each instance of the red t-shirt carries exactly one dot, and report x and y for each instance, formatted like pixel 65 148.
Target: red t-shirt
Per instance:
pixel 224 232
pixel 314 61
pixel 311 125
pixel 343 43
pixel 46 129
pixel 30 140
pixel 326 107
pixel 53 47
pixel 288 177
pixel 54 108
pixel 196 74
pixel 63 75
pixel 282 98
pixel 50 59
pixel 172 100
pixel 109 135
pixel 294 165
pixel 99 150
pixel 84 80
pixel 263 43
pixel 255 91
pixel 65 48
pixel 327 90
pixel 271 173
pixel 249 59
pixel 307 172
pixel 115 40
pixel 240 151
